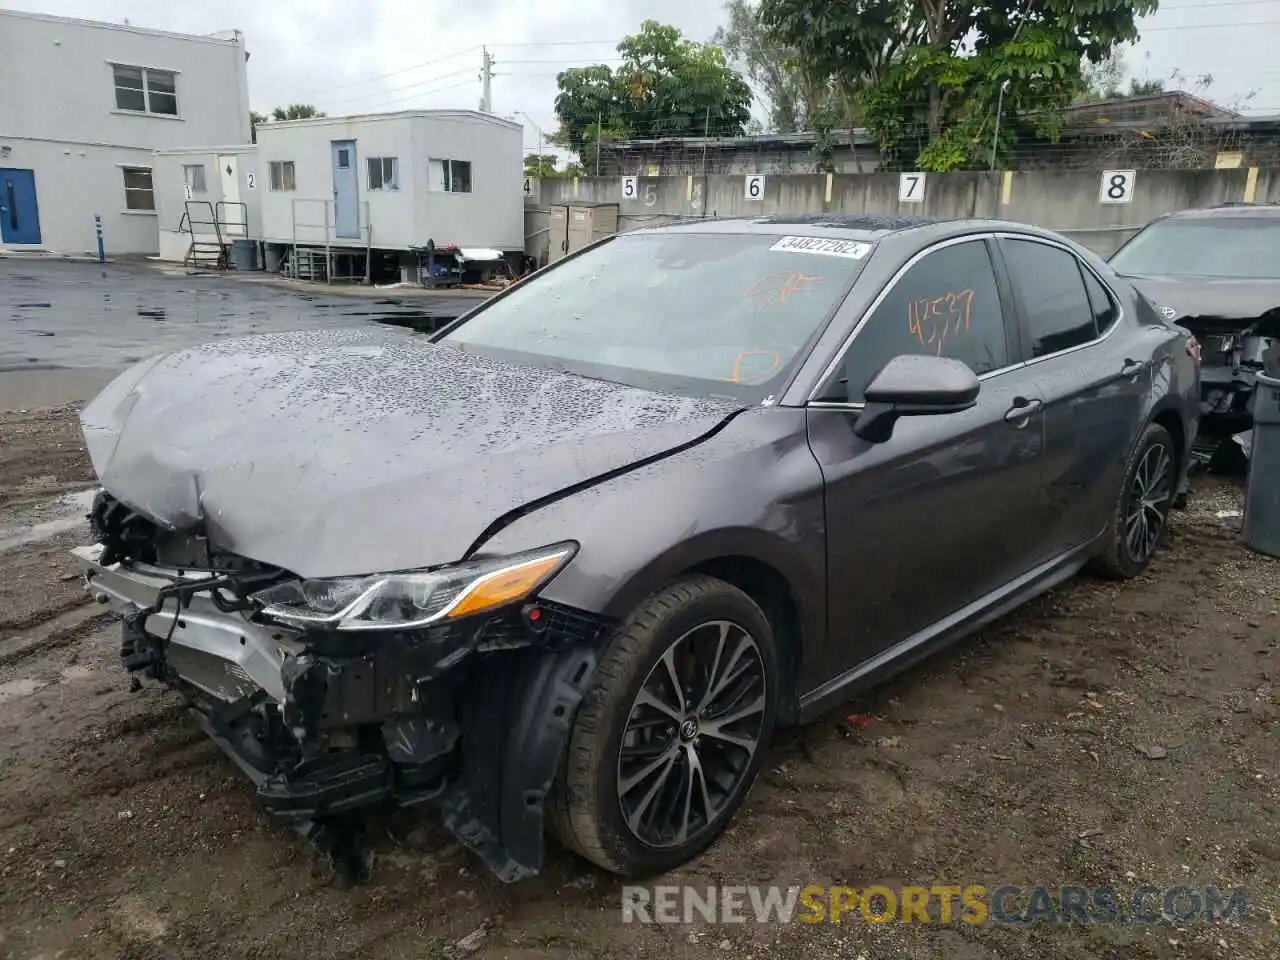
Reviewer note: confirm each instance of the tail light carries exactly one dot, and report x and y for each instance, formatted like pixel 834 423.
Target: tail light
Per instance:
pixel 1193 347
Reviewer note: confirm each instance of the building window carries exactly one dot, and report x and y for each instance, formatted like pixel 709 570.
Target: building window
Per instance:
pixel 193 177
pixel 144 90
pixel 384 173
pixel 138 192
pixel 281 174
pixel 449 176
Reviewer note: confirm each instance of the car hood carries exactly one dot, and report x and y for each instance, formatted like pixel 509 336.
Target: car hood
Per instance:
pixel 358 451
pixel 1210 299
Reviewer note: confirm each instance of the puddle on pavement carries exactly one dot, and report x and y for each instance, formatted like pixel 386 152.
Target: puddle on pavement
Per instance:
pixel 22 687
pixel 69 510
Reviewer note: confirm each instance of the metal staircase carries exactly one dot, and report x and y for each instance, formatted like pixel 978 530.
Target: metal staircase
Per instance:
pixel 212 227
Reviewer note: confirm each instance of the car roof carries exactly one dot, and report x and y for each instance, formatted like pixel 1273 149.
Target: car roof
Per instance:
pixel 1229 211
pixel 867 227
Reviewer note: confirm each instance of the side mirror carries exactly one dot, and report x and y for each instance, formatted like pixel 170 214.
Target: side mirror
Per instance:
pixel 914 386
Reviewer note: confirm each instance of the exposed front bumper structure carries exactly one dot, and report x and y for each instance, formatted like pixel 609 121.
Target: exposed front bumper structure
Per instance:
pixel 470 716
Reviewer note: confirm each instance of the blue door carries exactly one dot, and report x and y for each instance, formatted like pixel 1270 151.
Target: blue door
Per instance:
pixel 19 215
pixel 346 189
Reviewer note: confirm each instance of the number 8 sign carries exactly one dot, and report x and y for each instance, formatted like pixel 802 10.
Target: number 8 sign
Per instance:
pixel 1117 186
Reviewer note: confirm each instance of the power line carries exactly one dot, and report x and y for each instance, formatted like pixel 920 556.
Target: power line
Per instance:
pixel 381 106
pixel 409 86
pixel 393 73
pixel 1211 26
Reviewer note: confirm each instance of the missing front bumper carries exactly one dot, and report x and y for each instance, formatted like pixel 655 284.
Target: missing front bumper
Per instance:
pixel 471 717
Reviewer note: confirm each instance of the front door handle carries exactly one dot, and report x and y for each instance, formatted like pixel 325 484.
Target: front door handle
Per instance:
pixel 1131 368
pixel 1020 411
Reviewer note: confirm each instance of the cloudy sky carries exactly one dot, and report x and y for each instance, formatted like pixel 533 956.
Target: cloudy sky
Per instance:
pixel 359 56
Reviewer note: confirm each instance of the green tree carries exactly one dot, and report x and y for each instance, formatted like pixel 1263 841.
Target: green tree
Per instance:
pixel 793 99
pixel 296 111
pixel 665 86
pixel 927 75
pixel 541 165
pixel 255 118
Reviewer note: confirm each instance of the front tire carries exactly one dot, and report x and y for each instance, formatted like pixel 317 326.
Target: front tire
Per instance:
pixel 672 732
pixel 1141 514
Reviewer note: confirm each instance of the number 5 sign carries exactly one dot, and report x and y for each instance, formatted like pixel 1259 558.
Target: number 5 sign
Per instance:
pixel 630 187
pixel 1117 186
pixel 754 187
pixel 911 188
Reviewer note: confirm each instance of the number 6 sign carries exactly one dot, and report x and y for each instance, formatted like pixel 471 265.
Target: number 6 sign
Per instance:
pixel 754 187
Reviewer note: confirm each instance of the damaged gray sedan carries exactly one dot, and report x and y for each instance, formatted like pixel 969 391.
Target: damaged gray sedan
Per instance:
pixel 571 560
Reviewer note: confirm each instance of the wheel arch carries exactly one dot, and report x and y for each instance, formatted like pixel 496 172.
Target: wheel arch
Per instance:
pixel 789 587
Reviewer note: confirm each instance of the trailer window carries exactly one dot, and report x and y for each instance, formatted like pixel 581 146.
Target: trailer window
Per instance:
pixel 281 175
pixel 449 176
pixel 384 173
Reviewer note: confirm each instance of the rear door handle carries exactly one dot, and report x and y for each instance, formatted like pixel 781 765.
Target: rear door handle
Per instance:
pixel 1131 368
pixel 1019 412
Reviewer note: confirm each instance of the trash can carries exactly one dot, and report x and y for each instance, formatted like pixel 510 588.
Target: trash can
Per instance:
pixel 1262 497
pixel 244 254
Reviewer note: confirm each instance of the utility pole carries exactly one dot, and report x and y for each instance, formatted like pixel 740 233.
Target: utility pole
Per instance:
pixel 995 138
pixel 486 76
pixel 599 128
pixel 706 135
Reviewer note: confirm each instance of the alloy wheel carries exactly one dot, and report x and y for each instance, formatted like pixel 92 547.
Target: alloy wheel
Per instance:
pixel 1149 500
pixel 691 734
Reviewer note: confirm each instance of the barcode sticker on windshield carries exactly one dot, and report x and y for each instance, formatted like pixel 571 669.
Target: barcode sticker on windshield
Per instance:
pixel 826 246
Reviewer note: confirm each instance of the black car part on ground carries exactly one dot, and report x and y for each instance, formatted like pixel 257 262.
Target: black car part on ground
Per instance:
pixel 470 716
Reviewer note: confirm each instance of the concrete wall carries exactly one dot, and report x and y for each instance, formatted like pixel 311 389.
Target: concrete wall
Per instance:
pixel 58 117
pixel 167 173
pixel 1066 201
pixel 491 215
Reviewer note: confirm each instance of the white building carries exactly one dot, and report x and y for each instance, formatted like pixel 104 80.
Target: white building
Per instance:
pixel 207 185
pixel 82 107
pixel 393 181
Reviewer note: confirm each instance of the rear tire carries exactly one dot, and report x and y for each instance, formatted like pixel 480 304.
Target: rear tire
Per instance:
pixel 652 775
pixel 1140 516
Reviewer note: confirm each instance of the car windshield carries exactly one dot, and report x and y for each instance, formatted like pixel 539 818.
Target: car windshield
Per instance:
pixel 693 313
pixel 1238 248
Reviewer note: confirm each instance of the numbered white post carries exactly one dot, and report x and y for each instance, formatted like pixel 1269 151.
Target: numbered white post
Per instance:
pixel 911 188
pixel 1117 186
pixel 630 188
pixel 186 190
pixel 753 189
pixel 252 179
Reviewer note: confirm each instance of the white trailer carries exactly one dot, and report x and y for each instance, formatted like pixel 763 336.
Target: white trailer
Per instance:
pixel 392 182
pixel 206 194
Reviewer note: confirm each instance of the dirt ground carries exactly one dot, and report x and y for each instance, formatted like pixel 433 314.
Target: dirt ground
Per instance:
pixel 1106 734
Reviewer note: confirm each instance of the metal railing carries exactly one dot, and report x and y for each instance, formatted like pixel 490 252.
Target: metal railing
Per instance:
pixel 323 231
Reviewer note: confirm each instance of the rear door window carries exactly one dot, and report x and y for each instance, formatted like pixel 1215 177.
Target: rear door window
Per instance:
pixel 947 305
pixel 1105 311
pixel 1051 290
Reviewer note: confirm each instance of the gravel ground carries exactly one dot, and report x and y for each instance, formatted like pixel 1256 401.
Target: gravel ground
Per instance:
pixel 1105 734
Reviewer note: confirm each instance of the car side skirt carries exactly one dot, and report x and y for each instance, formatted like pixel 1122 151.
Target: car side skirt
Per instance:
pixel 958 625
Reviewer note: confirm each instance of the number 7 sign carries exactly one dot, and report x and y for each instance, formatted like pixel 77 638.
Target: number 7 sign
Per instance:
pixel 911 188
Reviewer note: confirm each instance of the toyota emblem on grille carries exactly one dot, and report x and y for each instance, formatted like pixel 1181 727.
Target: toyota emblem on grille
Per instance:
pixel 1168 312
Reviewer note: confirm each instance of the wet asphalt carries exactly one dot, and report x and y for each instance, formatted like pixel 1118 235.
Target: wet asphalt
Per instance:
pixel 66 315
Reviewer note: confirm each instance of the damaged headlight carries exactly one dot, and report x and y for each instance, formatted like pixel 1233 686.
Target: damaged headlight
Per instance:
pixel 398 601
